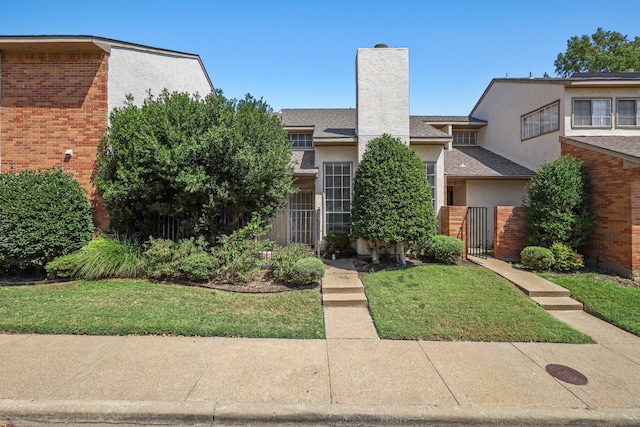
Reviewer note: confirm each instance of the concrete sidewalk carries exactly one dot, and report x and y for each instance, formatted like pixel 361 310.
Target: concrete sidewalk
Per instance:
pixel 337 381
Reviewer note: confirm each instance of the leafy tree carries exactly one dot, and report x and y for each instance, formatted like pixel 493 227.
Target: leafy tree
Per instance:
pixel 392 199
pixel 602 51
pixel 558 205
pixel 208 163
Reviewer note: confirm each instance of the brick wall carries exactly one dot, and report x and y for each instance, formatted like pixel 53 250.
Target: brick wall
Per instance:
pixel 509 232
pixel 453 223
pixel 615 202
pixel 51 102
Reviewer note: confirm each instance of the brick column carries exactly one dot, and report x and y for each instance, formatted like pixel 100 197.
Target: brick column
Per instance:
pixel 454 223
pixel 510 228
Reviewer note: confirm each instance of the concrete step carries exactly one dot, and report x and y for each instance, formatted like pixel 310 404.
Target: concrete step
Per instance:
pixel 345 300
pixel 343 288
pixel 557 303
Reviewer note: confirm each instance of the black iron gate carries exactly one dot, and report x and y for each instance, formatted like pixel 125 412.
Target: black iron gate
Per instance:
pixel 477 242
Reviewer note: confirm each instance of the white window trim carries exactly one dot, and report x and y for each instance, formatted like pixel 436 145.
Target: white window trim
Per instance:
pixel 327 200
pixel 592 126
pixel 538 124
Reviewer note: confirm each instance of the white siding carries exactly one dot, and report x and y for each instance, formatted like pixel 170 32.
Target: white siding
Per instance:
pixel 135 71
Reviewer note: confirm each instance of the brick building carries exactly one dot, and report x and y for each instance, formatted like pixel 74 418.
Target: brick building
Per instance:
pixel 56 93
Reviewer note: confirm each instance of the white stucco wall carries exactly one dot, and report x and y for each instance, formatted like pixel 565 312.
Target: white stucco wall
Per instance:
pixel 135 71
pixel 382 94
pixel 492 193
pixel 503 106
pixel 613 94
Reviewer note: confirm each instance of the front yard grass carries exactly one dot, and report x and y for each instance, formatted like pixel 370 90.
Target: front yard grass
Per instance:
pixel 140 307
pixel 603 298
pixel 459 303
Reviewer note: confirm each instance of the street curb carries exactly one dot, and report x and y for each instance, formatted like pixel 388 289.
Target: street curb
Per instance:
pixel 208 413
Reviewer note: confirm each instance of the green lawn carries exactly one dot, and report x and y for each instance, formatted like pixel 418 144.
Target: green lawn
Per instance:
pixel 450 303
pixel 126 307
pixel 603 298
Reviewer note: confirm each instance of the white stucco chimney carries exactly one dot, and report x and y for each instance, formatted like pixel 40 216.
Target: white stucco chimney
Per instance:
pixel 382 94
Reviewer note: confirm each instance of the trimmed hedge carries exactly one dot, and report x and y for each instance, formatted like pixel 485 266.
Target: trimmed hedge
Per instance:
pixel 307 270
pixel 43 215
pixel 537 258
pixel 445 249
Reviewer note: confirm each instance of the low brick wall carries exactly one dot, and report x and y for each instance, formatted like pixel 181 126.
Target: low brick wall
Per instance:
pixel 510 232
pixel 453 223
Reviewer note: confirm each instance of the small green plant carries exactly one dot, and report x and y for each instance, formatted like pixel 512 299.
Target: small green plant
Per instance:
pixel 337 243
pixel 283 259
pixel 64 266
pixel 537 258
pixel 185 259
pixel 565 258
pixel 445 249
pixel 307 270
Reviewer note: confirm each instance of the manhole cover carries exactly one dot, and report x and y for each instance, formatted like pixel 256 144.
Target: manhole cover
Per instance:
pixel 566 374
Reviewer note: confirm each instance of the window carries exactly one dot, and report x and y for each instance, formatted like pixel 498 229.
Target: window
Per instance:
pixel 592 112
pixel 337 188
pixel 430 168
pixel 629 112
pixel 542 121
pixel 301 140
pixel 464 137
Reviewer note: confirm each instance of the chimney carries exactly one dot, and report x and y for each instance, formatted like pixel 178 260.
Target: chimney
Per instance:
pixel 382 94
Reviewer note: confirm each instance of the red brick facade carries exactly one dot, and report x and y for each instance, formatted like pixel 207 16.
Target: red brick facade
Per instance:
pixel 453 223
pixel 509 232
pixel 50 103
pixel 615 202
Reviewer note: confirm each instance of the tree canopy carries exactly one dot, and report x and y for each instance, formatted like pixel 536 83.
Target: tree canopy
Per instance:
pixel 602 51
pixel 205 162
pixel 392 199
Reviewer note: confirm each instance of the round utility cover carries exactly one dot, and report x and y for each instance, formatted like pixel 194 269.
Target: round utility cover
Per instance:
pixel 567 374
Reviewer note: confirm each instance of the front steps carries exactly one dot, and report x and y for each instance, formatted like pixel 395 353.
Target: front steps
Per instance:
pixel 342 287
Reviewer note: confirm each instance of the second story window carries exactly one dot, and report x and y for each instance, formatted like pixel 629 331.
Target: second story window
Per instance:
pixel 464 137
pixel 592 112
pixel 301 140
pixel 628 112
pixel 541 121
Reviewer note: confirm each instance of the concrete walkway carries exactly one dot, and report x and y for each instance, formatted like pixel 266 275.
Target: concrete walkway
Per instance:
pixel 338 381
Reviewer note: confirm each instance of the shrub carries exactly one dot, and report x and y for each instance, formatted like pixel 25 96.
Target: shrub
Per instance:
pixel 445 249
pixel 64 266
pixel 337 243
pixel 566 259
pixel 537 258
pixel 43 215
pixel 307 270
pixel 237 256
pixel 558 200
pixel 284 258
pixel 185 259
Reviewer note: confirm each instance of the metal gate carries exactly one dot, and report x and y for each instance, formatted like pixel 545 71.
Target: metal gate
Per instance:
pixel 296 226
pixel 477 242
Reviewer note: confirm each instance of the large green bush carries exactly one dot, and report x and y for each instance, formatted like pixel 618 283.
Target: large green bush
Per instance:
pixel 42 215
pixel 392 199
pixel 445 249
pixel 283 260
pixel 559 205
pixel 537 258
pixel 208 163
pixel 185 259
pixel 307 270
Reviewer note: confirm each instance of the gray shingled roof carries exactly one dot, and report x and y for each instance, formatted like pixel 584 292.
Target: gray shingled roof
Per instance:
pixel 304 161
pixel 617 146
pixel 452 119
pixel 341 123
pixel 475 162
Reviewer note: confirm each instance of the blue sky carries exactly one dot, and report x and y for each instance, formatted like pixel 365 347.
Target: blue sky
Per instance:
pixel 301 54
